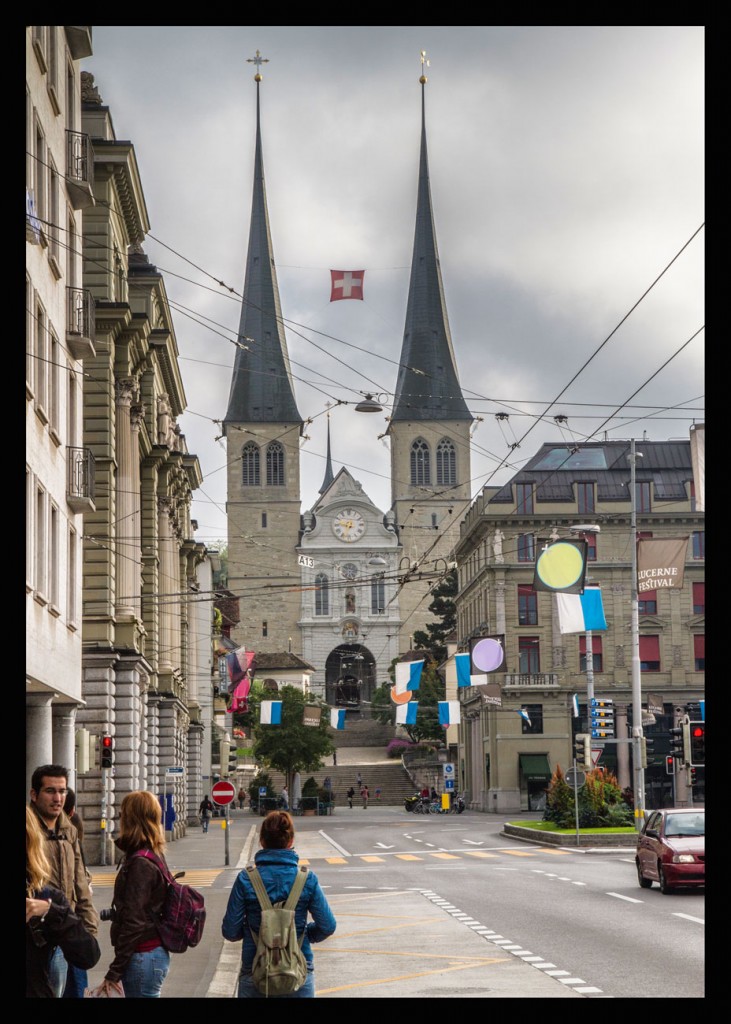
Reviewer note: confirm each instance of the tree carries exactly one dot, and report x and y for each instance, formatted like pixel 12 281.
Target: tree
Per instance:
pixel 431 690
pixel 290 747
pixel 434 639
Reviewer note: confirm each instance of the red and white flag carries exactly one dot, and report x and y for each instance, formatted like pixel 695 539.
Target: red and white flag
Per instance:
pixel 346 284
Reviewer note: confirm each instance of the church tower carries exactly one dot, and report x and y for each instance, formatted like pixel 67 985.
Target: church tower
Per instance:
pixel 262 427
pixel 430 423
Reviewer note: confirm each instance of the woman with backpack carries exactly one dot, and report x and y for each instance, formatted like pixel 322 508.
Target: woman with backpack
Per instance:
pixel 205 811
pixel 141 962
pixel 277 865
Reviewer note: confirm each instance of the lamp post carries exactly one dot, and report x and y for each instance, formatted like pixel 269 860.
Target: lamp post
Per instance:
pixel 638 770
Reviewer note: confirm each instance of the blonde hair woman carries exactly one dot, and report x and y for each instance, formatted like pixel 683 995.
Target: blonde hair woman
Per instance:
pixel 141 963
pixel 49 920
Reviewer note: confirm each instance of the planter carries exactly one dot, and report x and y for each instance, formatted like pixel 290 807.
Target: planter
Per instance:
pixel 309 813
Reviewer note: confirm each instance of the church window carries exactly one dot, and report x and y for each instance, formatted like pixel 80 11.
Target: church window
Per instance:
pixel 275 465
pixel 420 468
pixel 322 594
pixel 446 462
pixel 378 597
pixel 250 465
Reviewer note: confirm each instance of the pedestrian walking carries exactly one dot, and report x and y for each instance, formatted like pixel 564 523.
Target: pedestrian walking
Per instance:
pixel 335 758
pixel 141 962
pixel 277 863
pixel 49 919
pixel 49 786
pixel 364 794
pixel 350 794
pixel 378 794
pixel 205 811
pixel 284 799
pixel 241 797
pixel 359 780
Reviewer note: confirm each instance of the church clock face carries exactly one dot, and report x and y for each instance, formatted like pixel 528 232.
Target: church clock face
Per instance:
pixel 348 525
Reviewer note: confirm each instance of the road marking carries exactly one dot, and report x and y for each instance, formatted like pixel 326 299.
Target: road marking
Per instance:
pixel 688 917
pixel 445 856
pixel 480 853
pixel 628 899
pixel 407 856
pixel 374 860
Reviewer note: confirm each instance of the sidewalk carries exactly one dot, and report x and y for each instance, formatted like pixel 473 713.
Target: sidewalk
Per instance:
pixel 394 944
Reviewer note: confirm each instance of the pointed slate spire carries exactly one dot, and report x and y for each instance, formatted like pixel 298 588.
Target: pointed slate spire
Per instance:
pixel 329 476
pixel 262 390
pixel 428 386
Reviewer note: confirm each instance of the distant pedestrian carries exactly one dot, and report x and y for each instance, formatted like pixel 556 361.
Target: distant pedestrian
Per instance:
pixel 350 794
pixel 364 794
pixel 241 798
pixel 284 799
pixel 205 811
pixel 378 793
pixel 335 758
pixel 359 780
pixel 434 795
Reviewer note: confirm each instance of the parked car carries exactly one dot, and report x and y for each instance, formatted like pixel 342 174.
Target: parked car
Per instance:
pixel 671 849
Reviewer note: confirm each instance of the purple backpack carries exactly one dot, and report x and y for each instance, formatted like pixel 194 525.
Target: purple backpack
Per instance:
pixel 183 914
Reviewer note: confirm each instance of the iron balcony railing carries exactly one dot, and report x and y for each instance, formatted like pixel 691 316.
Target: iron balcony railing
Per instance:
pixel 81 475
pixel 80 308
pixel 79 160
pixel 521 680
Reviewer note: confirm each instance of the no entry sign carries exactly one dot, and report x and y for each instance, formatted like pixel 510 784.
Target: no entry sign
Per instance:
pixel 223 792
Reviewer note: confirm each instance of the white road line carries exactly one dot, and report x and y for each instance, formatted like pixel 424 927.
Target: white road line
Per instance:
pixel 629 899
pixel 688 917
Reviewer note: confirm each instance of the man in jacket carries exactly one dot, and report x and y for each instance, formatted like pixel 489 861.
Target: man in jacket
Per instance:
pixel 49 784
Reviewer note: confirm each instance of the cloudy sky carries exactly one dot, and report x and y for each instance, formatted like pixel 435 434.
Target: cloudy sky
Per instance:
pixel 567 174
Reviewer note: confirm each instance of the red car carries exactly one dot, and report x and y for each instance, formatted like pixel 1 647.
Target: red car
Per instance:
pixel 671 849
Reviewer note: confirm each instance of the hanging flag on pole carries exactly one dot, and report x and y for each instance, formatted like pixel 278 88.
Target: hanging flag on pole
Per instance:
pixel 271 712
pixel 449 712
pixel 346 284
pixel 406 713
pixel 337 718
pixel 462 661
pixel 578 613
pixel 239 700
pixel 408 675
pixel 238 663
pixel 661 562
pixel 575 705
pixel 524 715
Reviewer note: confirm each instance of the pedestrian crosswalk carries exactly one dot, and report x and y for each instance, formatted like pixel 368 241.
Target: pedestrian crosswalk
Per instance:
pixel 204 878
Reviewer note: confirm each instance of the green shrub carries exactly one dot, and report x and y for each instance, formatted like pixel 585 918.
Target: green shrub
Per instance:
pixel 310 787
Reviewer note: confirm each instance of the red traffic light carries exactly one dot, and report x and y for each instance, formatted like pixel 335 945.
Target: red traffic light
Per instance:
pixel 107 742
pixel 107 751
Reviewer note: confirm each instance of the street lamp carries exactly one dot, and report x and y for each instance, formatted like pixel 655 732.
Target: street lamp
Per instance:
pixel 588 528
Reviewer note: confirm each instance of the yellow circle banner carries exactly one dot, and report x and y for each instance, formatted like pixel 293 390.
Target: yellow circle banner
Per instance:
pixel 560 565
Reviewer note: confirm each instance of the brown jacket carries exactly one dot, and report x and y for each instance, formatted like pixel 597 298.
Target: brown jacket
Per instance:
pixel 139 893
pixel 67 868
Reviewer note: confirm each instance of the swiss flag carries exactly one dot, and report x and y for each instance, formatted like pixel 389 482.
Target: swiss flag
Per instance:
pixel 346 284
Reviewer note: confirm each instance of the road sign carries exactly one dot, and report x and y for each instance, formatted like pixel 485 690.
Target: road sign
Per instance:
pixel 308 563
pixel 575 777
pixel 448 785
pixel 223 792
pixel 175 770
pixel 596 753
pixel 448 771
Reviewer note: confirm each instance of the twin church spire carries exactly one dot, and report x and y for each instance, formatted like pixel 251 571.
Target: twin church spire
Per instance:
pixel 262 389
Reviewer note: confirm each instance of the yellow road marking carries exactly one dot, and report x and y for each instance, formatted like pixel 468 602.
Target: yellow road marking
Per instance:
pixel 407 856
pixel 479 853
pixel 335 860
pixel 445 856
pixel 373 860
pixel 519 853
pixel 486 962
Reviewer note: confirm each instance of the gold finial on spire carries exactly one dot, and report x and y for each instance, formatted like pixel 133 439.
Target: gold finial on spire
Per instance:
pixel 258 60
pixel 424 63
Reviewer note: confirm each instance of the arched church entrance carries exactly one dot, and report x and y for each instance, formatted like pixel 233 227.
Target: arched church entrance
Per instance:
pixel 350 673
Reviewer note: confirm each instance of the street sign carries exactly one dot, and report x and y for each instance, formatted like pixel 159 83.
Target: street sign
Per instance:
pixel 308 563
pixel 575 777
pixel 448 785
pixel 223 792
pixel 596 753
pixel 448 771
pixel 175 770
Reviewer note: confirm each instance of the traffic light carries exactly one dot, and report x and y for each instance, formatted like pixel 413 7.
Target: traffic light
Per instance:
pixel 670 765
pixel 582 746
pixel 697 743
pixel 233 759
pixel 680 742
pixel 602 718
pixel 107 751
pixel 228 757
pixel 692 780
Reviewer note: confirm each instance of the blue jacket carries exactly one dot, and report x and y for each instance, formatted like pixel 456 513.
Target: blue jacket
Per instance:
pixel 278 869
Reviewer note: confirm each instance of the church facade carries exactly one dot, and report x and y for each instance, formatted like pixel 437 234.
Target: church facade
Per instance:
pixel 344 585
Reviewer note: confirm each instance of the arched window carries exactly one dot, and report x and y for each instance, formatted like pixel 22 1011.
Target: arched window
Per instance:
pixel 446 462
pixel 322 594
pixel 250 465
pixel 420 469
pixel 275 465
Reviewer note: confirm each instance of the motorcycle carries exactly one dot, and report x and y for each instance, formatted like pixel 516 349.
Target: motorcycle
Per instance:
pixel 411 801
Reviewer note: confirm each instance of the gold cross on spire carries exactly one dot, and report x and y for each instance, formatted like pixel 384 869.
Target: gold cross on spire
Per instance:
pixel 258 60
pixel 424 64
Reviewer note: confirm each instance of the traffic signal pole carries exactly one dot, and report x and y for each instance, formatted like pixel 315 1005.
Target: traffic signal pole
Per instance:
pixel 638 770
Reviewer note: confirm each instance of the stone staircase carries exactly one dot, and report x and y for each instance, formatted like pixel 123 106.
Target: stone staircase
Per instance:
pixel 392 778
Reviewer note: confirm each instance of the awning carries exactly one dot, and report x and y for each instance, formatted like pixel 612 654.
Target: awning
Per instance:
pixel 535 766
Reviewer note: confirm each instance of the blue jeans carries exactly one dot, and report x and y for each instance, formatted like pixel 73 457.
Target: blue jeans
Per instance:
pixel 204 823
pixel 248 991
pixel 77 980
pixel 57 970
pixel 145 973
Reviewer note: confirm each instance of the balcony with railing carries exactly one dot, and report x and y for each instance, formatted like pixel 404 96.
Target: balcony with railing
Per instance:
pixel 80 487
pixel 80 322
pixel 79 169
pixel 530 681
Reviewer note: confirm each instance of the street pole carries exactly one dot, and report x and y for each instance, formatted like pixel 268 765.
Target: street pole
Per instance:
pixel 589 674
pixel 639 773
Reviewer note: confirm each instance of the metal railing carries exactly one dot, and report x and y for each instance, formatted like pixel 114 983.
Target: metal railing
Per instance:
pixel 529 679
pixel 79 161
pixel 80 312
pixel 81 474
